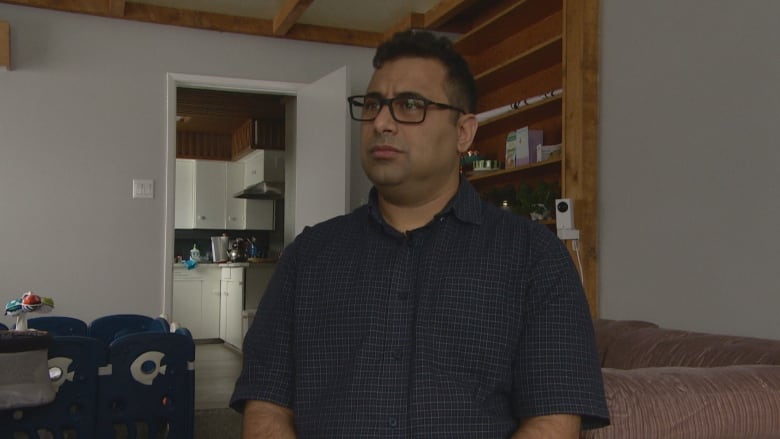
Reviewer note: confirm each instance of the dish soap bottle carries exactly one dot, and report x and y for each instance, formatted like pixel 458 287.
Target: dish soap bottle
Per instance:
pixel 252 248
pixel 195 253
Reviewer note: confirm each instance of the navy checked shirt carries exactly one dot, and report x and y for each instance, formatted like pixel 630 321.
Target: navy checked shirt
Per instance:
pixel 458 329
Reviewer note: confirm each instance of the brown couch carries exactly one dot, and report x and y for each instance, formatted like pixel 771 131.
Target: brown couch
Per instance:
pixel 665 383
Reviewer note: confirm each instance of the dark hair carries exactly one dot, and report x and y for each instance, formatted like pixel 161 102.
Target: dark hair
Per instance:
pixel 461 88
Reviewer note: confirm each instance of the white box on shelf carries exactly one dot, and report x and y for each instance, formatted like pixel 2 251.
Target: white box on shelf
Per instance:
pixel 546 152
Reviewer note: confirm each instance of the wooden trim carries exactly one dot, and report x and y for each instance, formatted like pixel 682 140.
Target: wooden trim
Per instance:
pixel 92 7
pixel 443 11
pixel 116 8
pixel 411 21
pixel 524 64
pixel 5 45
pixel 209 21
pixel 580 136
pixel 288 14
pixel 506 24
pixel 523 116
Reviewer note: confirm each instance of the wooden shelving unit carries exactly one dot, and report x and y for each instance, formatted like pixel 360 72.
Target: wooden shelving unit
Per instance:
pixel 538 58
pixel 492 176
pixel 5 46
pixel 525 48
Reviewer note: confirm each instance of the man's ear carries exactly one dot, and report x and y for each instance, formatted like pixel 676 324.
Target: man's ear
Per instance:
pixel 467 129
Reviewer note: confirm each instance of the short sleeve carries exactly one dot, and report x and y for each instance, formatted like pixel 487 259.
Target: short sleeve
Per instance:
pixel 556 369
pixel 268 368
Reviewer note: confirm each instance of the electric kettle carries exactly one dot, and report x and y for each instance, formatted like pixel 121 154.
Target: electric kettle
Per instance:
pixel 219 248
pixel 238 250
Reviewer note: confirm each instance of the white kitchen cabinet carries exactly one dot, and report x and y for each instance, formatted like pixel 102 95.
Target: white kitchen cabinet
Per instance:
pixel 200 194
pixel 196 300
pixel 204 198
pixel 210 194
pixel 184 196
pixel 257 278
pixel 232 305
pixel 236 216
pixel 263 165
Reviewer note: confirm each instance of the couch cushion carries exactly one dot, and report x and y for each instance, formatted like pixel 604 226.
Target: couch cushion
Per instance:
pixel 690 403
pixel 659 347
pixel 607 331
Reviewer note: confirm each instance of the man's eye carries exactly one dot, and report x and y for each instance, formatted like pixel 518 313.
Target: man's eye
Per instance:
pixel 412 104
pixel 371 104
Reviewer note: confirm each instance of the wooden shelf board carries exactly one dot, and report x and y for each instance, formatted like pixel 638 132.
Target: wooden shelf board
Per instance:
pixel 502 26
pixel 520 117
pixel 501 172
pixel 539 57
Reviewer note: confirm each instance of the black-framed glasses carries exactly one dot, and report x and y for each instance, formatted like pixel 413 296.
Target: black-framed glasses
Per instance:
pixel 404 108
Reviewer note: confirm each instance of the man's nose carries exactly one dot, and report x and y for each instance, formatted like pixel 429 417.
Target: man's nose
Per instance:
pixel 384 120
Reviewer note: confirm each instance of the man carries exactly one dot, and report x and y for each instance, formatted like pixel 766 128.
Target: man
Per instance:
pixel 427 312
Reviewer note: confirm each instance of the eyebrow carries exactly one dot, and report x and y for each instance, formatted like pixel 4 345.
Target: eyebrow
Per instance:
pixel 403 94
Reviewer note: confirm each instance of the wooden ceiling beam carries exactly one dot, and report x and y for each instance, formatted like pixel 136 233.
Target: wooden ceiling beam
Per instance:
pixel 411 21
pixel 288 14
pixel 208 20
pixel 90 7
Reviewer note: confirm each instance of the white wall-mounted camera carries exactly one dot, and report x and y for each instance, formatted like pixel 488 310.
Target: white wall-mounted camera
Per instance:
pixel 564 214
pixel 564 219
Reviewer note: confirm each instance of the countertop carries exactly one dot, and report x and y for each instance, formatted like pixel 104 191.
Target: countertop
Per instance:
pixel 261 262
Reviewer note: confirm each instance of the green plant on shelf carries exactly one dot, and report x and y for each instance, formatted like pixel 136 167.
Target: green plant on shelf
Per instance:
pixel 535 201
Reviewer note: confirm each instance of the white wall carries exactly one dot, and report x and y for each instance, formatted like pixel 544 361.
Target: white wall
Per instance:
pixel 689 182
pixel 81 115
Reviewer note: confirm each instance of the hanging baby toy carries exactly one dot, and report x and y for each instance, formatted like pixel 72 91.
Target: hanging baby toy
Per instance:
pixel 29 302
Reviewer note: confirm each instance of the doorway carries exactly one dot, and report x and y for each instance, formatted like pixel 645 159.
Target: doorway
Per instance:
pixel 317 150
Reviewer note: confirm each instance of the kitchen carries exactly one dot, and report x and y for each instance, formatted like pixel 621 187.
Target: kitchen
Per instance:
pixel 229 209
pixel 315 141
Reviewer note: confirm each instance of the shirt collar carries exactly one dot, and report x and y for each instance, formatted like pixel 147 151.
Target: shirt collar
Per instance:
pixel 466 205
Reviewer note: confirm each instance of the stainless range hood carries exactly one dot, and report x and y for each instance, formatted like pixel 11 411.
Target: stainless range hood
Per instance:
pixel 262 191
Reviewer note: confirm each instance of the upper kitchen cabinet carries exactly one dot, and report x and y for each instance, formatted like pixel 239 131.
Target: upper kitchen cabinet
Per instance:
pixel 205 192
pixel 235 215
pixel 263 165
pixel 246 214
pixel 201 194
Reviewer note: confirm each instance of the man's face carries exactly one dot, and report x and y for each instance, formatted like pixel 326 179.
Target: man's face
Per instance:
pixel 407 155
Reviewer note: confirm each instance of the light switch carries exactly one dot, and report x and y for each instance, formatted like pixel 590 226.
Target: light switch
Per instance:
pixel 143 188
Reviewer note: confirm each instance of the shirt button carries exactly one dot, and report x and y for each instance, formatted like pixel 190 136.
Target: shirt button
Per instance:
pixel 392 421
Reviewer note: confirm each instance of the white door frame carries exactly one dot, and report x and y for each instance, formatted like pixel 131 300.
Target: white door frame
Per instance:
pixel 174 80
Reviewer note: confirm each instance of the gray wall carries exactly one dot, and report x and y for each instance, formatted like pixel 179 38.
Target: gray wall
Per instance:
pixel 81 115
pixel 689 185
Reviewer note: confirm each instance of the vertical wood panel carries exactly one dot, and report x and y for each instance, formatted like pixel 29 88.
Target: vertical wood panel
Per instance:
pixel 5 45
pixel 580 135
